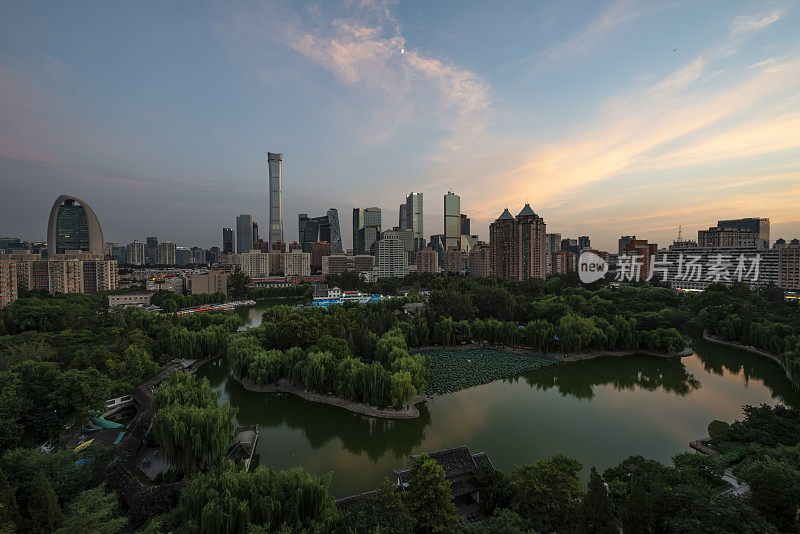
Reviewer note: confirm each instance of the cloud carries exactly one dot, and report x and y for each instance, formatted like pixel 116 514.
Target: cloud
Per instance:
pixel 753 23
pixel 600 29
pixel 366 51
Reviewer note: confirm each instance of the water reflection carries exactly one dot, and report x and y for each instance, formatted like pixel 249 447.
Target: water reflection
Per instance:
pixel 320 423
pixel 578 379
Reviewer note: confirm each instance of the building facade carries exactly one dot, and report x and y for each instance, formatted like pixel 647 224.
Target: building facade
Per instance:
pixel 227 241
pixel 717 236
pixel 562 262
pixel 167 253
pixel 427 260
pixel 73 226
pixel 297 263
pixel 452 221
pixel 391 259
pixel 244 233
pixel 325 228
pixel 480 261
pixel 135 253
pixel 366 229
pixel 8 282
pixel 789 265
pixel 254 264
pixel 210 282
pixel 275 172
pixel 757 225
pixel 518 245
pixel 414 219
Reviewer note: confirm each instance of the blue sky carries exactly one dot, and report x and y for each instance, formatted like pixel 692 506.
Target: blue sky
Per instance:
pixel 626 117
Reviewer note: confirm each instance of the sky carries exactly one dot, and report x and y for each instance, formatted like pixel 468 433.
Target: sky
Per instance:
pixel 616 118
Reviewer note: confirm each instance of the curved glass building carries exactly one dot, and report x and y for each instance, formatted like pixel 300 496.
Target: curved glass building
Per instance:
pixel 73 226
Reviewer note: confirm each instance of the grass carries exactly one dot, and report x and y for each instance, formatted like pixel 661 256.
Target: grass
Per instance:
pixel 454 370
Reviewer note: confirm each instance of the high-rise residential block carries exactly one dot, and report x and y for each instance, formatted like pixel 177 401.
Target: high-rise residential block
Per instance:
pixel 452 221
pixel 623 242
pixel 297 263
pixel 454 261
pixel 100 275
pixel 244 233
pixel 479 263
pixel 73 226
pixel 465 224
pixel 584 242
pixel 518 245
pixel 427 260
pixel 8 282
pixel 254 263
pixel 134 253
pixel 391 259
pixel 319 250
pixel 227 240
pixel 644 255
pixel 167 253
pixel 562 262
pixel 789 268
pixel 275 171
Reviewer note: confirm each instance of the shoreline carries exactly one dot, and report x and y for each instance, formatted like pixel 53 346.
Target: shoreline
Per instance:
pixel 561 356
pixel 409 412
pixel 747 348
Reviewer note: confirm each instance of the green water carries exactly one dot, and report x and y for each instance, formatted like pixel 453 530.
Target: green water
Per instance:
pixel 598 411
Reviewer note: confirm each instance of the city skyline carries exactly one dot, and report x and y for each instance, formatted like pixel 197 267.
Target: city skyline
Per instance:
pixel 597 115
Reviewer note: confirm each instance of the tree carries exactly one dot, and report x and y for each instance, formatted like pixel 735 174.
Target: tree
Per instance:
pixel 192 429
pixel 596 513
pixel 43 510
pixel 9 513
pixel 636 514
pixel 775 492
pixel 548 493
pixel 94 511
pixel 382 511
pixel 237 285
pixel 430 498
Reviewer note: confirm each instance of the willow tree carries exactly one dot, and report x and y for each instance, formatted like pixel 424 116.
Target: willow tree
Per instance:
pixel 193 430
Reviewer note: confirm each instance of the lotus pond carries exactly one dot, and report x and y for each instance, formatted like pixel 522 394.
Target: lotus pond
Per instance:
pixel 457 369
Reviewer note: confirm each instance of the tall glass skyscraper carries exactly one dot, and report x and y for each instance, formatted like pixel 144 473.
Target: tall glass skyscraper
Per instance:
pixel 366 228
pixel 413 216
pixel 244 233
pixel 452 220
pixel 227 240
pixel 275 164
pixel 325 228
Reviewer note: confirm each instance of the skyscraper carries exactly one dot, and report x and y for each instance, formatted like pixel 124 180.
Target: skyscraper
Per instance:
pixel 757 225
pixel 584 242
pixel 227 240
pixel 413 219
pixel 464 224
pixel 73 226
pixel 452 220
pixel 403 221
pixel 151 250
pixel 325 228
pixel 255 233
pixel 244 233
pixel 366 229
pixel 275 164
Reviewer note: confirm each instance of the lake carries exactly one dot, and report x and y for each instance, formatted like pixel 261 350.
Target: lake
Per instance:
pixel 597 411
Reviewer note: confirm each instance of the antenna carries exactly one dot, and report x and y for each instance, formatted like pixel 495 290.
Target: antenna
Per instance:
pixel 679 234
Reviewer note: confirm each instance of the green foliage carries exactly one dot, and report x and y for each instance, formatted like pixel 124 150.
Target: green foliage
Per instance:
pixel 94 511
pixel 775 492
pixel 237 285
pixel 9 511
pixel 596 514
pixel 455 370
pixel 429 498
pixel 382 511
pixel 226 500
pixel 502 521
pixel 718 431
pixel 44 513
pixel 548 493
pixel 192 429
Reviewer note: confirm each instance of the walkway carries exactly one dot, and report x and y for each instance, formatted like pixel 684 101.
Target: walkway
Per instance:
pixel 409 412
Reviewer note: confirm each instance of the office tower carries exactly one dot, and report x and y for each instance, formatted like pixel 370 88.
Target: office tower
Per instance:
pixel 134 253
pixel 255 232
pixel 227 241
pixel 244 233
pixel 405 235
pixel 275 164
pixel 464 224
pixel 402 219
pixel 325 228
pixel 570 245
pixel 73 226
pixel 452 221
pixel 151 250
pixel 623 242
pixel 363 219
pixel 413 220
pixel 518 245
pixel 757 225
pixel 212 256
pixel 183 256
pixel 584 242
pixel 167 253
pixel 789 267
